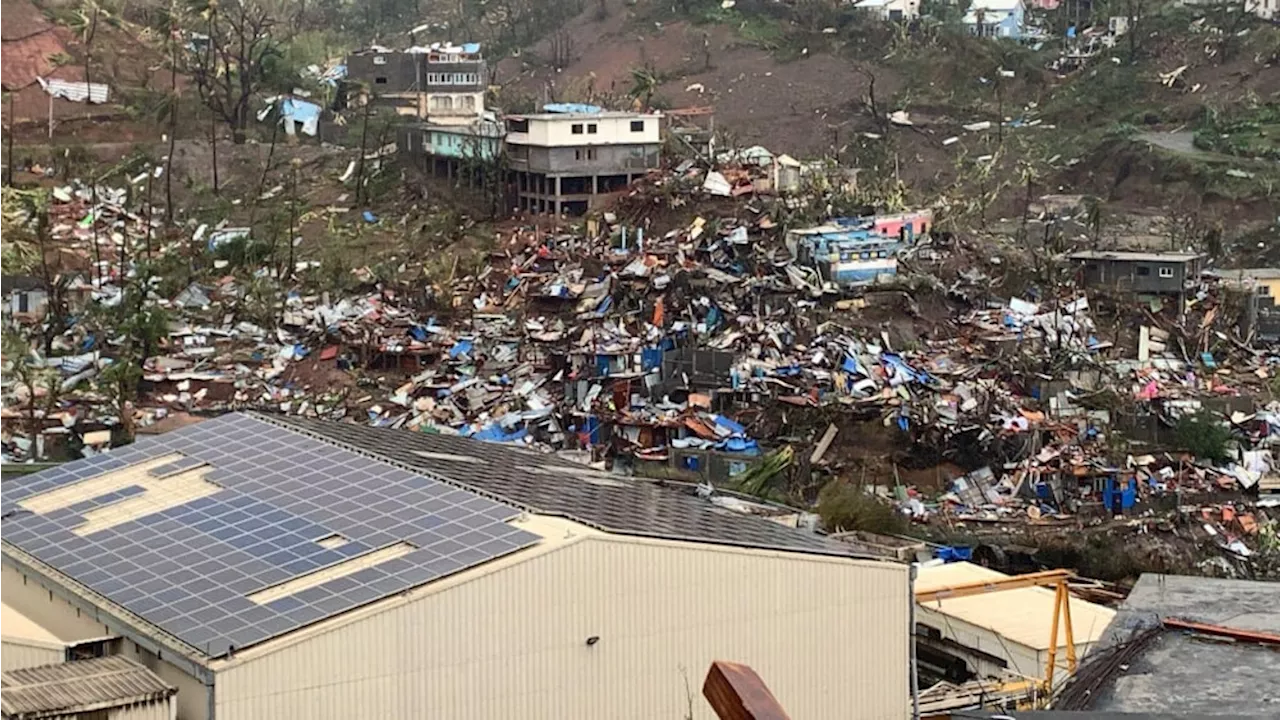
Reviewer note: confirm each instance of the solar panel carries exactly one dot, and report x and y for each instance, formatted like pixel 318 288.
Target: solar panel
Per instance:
pixel 190 568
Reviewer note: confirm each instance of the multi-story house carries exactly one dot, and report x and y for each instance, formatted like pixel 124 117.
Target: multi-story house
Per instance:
pixel 441 83
pixel 565 159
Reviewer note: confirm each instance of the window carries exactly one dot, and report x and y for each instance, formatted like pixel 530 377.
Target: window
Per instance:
pixel 468 102
pixel 576 129
pixel 1143 271
pixel 637 126
pixel 577 154
pixel 379 60
pixel 591 152
pixel 379 81
pixel 1263 290
pixel 1166 272
pixel 517 125
pixel 591 128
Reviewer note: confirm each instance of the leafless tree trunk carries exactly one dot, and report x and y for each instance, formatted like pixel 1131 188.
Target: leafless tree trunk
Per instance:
pixel 173 119
pixel 89 35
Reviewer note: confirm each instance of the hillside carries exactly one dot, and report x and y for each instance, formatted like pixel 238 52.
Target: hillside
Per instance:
pixel 799 79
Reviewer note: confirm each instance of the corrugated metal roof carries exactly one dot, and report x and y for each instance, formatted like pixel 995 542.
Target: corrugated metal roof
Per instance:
pixel 76 91
pixel 79 686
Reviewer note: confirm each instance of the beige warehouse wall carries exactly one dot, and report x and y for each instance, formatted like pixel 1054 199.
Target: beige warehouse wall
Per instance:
pixel 65 621
pixel 828 636
pixel 59 617
pixel 19 655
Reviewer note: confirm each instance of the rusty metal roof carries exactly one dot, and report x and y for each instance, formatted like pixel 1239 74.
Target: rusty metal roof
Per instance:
pixel 78 687
pixel 30 58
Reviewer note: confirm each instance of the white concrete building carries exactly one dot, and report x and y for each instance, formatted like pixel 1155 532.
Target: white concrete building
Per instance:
pixel 564 161
pixel 314 570
pixel 892 10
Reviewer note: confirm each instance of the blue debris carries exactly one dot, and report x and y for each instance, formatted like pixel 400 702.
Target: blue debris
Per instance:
pixel 369 217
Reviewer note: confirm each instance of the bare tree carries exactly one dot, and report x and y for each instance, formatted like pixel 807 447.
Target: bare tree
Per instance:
pixel 230 68
pixel 174 34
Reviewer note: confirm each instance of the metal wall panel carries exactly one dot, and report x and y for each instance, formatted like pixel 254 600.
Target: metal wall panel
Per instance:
pixel 159 710
pixel 828 635
pixel 18 655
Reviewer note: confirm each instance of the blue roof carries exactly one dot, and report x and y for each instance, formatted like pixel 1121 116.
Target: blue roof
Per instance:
pixel 572 108
pixel 190 568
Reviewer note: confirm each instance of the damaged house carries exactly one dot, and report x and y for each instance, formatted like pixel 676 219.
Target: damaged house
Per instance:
pixel 566 159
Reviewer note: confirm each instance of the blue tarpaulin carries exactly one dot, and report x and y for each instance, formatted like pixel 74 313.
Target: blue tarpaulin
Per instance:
pixel 959 553
pixel 650 359
pixel 462 347
pixel 728 424
pixel 572 108
pixel 495 433
pixel 900 366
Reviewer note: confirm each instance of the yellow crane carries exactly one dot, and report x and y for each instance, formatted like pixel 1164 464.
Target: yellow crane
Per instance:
pixel 1057 579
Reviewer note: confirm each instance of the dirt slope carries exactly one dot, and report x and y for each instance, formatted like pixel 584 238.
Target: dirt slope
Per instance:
pixel 794 107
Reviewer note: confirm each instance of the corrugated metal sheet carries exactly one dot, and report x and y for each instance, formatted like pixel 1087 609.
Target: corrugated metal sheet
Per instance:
pixel 154 710
pixel 78 687
pixel 19 654
pixel 828 635
pixel 76 91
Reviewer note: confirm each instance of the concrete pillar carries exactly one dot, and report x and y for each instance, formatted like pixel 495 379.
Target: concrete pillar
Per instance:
pixel 595 184
pixel 557 194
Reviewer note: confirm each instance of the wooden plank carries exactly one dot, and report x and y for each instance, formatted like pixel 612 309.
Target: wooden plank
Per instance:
pixel 736 692
pixel 824 444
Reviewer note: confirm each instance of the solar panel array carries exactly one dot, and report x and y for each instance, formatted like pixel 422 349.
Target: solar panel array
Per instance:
pixel 546 484
pixel 190 568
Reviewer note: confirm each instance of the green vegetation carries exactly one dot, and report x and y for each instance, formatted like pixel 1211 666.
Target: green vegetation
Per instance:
pixel 1250 132
pixel 844 506
pixel 1204 436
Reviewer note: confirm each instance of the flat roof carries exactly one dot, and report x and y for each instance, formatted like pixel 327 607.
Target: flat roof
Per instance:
pixel 1023 615
pixel 78 687
pixel 1181 672
pixel 585 116
pixel 1135 256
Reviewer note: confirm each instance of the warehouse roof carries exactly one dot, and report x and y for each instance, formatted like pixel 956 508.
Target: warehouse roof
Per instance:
pixel 234 531
pixel 243 528
pixel 78 687
pixel 1023 615
pixel 548 485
